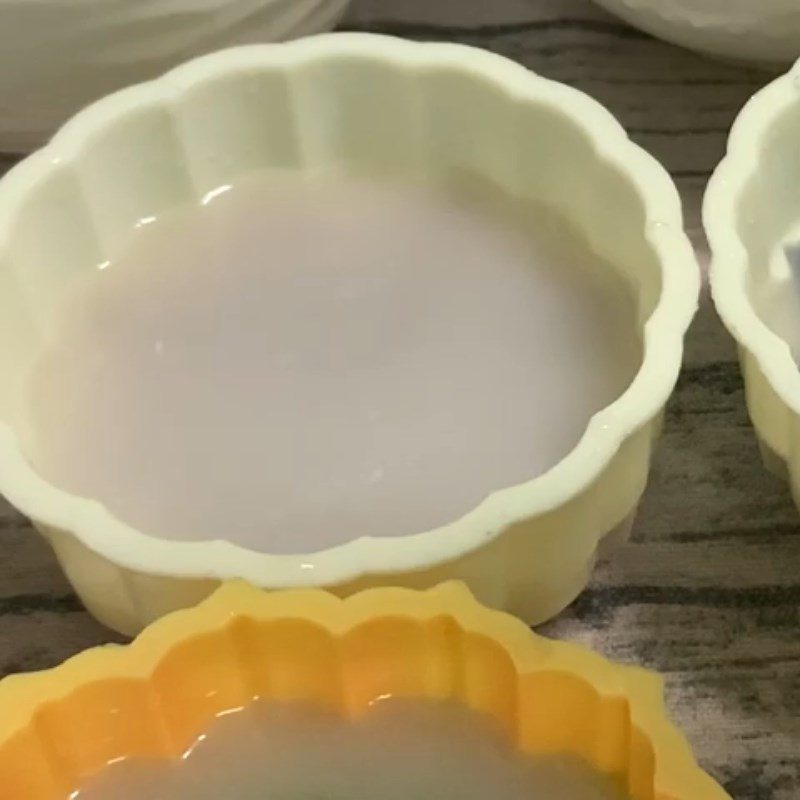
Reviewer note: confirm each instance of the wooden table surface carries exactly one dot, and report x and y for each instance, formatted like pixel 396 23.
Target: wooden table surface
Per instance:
pixel 708 590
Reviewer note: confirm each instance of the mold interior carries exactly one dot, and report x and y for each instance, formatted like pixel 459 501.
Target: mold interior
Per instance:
pixel 359 117
pixel 400 749
pixel 768 224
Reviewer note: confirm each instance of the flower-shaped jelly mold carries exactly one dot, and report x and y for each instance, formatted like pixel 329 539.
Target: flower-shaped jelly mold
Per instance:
pixel 751 213
pixel 155 696
pixel 370 105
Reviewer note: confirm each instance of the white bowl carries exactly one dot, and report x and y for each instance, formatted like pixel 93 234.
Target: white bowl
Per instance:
pixel 750 211
pixel 381 106
pixel 764 31
pixel 56 56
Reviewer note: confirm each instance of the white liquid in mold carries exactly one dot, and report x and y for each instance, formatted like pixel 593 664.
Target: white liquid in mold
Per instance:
pixel 293 365
pixel 401 750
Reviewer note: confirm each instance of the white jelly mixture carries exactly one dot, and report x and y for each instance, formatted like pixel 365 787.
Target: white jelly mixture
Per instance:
pixel 291 364
pixel 400 750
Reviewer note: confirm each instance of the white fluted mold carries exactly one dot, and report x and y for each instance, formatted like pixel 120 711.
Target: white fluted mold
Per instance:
pixel 750 211
pixel 57 56
pixel 372 105
pixel 763 31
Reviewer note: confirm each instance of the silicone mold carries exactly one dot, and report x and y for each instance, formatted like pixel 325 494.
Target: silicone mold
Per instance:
pixel 766 31
pixel 750 210
pixel 56 57
pixel 369 105
pixel 156 696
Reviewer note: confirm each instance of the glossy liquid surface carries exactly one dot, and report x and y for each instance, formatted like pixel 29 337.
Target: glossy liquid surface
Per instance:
pixel 290 364
pixel 401 750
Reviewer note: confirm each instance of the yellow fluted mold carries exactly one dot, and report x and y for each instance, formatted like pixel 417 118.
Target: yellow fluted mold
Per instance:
pixel 155 696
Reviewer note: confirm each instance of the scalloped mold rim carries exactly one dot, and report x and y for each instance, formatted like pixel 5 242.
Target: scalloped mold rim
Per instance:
pixel 527 548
